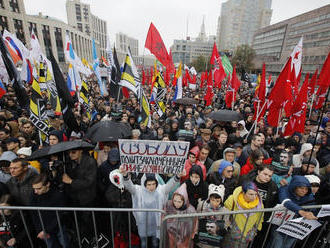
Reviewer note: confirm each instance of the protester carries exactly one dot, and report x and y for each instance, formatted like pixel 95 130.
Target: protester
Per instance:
pixel 180 232
pixel 244 226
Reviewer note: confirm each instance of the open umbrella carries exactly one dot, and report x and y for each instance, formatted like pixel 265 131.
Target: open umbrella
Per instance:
pixel 225 115
pixel 104 131
pixel 60 147
pixel 186 101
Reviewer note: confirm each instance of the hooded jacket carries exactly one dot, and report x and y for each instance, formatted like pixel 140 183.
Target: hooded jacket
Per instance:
pixel 288 197
pixel 216 164
pixel 199 191
pixel 232 204
pixel 217 179
pixel 298 158
pixel 181 231
pixel 142 199
pixel 188 165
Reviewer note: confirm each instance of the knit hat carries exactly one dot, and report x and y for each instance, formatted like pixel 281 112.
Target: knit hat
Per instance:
pixel 114 155
pixel 8 156
pixel 217 190
pixel 279 169
pixel 224 164
pixel 313 179
pixel 306 161
pixel 27 151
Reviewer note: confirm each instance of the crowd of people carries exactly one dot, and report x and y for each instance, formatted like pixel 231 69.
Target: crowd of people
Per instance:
pixel 228 168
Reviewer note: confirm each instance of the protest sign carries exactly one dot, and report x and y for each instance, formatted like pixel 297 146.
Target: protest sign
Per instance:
pixel 298 229
pixel 152 156
pixel 279 217
pixel 325 211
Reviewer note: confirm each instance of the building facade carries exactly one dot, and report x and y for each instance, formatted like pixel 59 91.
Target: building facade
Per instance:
pixel 188 50
pixel 239 20
pixel 50 31
pixel 80 17
pixel 275 43
pixel 123 41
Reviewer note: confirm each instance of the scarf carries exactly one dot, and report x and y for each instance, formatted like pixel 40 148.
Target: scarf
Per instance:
pixel 246 205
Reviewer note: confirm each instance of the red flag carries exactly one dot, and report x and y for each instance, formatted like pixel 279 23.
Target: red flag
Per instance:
pixel 174 79
pixel 143 77
pixel 209 79
pixel 151 75
pixel 320 97
pixel 156 45
pixel 260 95
pixel 280 96
pixel 218 72
pixel 298 117
pixel 170 64
pixel 324 78
pixel 312 83
pixel 184 80
pixel 125 92
pixel 167 77
pixel 232 88
pixel 188 78
pixel 209 95
pixel 202 80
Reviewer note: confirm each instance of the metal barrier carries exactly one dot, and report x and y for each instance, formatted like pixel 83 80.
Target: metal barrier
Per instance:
pixel 77 212
pixel 111 212
pixel 163 236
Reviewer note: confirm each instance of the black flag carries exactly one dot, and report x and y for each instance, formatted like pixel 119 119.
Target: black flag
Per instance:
pixel 245 77
pixel 115 76
pixel 14 76
pixel 66 100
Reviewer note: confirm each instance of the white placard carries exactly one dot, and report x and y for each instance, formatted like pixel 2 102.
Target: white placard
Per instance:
pixel 298 229
pixel 325 211
pixel 153 156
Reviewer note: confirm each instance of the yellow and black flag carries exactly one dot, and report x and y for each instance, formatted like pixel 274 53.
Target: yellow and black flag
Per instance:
pixel 83 98
pixel 158 95
pixel 38 112
pixel 145 108
pixel 130 77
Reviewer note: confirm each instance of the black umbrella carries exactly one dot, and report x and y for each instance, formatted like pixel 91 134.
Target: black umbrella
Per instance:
pixel 186 101
pixel 108 131
pixel 225 115
pixel 61 147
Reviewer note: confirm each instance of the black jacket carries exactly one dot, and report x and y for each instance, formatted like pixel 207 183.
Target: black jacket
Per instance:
pixel 52 198
pixel 199 191
pixel 21 191
pixel 272 192
pixel 228 183
pixel 82 191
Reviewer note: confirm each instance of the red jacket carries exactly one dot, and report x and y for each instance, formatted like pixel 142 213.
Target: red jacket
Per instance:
pixel 249 166
pixel 188 165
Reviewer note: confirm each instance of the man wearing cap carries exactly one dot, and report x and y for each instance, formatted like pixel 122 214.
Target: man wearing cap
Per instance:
pixel 204 138
pixel 308 167
pixel 12 144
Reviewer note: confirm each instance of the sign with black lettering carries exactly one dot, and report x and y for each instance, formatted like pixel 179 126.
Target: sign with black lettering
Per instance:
pixel 325 211
pixel 152 156
pixel 298 228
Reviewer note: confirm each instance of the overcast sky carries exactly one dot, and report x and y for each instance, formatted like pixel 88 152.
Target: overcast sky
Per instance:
pixel 170 17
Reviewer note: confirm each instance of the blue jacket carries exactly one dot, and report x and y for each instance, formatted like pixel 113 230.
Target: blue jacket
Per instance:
pixel 290 199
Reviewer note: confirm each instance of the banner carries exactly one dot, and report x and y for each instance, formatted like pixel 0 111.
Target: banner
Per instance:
pixel 298 228
pixel 152 156
pixel 280 217
pixel 325 211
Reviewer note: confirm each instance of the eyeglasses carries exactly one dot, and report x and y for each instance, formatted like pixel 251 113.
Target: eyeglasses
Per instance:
pixel 315 185
pixel 230 171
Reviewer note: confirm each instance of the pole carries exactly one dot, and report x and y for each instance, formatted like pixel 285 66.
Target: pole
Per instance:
pixel 255 123
pixel 310 111
pixel 319 124
pixel 279 120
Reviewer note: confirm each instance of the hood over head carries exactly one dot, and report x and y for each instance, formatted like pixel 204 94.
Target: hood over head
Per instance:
pixel 197 170
pixel 298 181
pixel 195 151
pixel 113 155
pixel 224 164
pixel 182 190
pixel 305 147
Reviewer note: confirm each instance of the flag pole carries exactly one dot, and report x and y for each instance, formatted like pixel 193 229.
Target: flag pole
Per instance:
pixel 319 124
pixel 310 110
pixel 255 123
pixel 279 120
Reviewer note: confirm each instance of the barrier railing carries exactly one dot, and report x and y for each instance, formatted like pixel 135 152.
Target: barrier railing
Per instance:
pixel 99 239
pixel 232 215
pixel 106 237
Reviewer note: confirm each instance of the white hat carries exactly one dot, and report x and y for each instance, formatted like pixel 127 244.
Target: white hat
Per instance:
pixel 217 189
pixel 27 151
pixel 116 179
pixel 313 179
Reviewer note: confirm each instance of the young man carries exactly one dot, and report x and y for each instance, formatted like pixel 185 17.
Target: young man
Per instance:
pixel 256 143
pixel 47 196
pixel 149 195
pixel 307 167
pixel 12 145
pixel 20 183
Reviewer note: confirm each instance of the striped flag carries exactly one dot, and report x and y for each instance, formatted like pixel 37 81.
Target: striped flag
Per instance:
pixel 178 88
pixel 2 90
pixel 227 66
pixel 145 109
pixel 96 68
pixel 130 77
pixel 38 112
pixel 83 99
pixel 158 95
